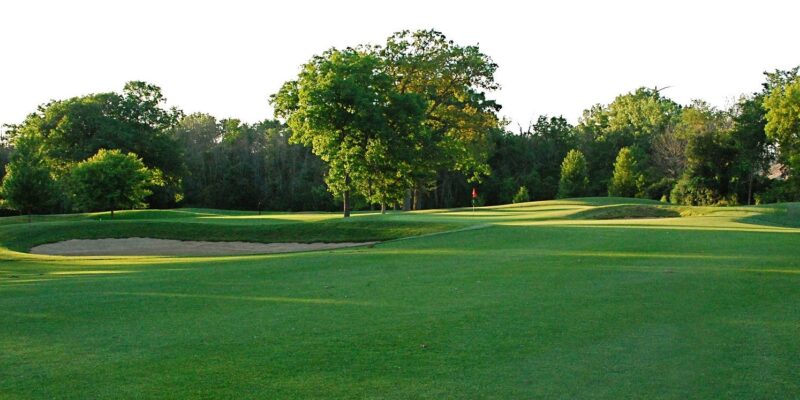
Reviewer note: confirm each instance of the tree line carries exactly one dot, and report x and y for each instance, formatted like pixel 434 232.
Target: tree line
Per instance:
pixel 407 124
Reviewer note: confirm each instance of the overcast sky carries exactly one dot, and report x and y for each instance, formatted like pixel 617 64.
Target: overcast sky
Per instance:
pixel 227 57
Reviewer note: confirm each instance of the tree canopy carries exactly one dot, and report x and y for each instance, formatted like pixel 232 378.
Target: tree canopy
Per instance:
pixel 111 180
pixel 387 119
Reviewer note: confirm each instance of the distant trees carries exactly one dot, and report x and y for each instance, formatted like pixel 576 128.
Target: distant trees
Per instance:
pixel 710 157
pixel 134 121
pixel 409 124
pixel 632 120
pixel 574 177
pixel 28 185
pixel 111 180
pixel 230 164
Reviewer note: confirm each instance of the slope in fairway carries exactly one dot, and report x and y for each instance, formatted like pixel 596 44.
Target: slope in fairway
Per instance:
pixel 531 301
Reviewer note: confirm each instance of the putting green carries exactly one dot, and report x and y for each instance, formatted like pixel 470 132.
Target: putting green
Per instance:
pixel 524 301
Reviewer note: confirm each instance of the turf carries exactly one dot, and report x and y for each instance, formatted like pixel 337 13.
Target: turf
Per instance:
pixel 523 301
pixel 628 211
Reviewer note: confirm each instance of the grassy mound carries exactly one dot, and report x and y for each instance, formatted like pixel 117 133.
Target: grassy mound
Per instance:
pixel 211 226
pixel 627 211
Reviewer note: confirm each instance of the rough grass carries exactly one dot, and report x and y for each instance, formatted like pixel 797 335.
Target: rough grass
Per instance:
pixel 517 302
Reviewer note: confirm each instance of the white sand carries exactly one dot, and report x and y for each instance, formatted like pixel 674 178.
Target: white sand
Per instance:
pixel 164 247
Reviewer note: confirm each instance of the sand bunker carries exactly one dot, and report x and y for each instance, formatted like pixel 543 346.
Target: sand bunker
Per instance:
pixel 164 247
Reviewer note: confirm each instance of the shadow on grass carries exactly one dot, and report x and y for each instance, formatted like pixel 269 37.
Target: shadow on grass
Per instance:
pixel 783 215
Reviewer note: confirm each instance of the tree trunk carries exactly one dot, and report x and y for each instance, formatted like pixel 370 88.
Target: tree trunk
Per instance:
pixel 112 213
pixel 750 189
pixel 407 201
pixel 383 208
pixel 346 196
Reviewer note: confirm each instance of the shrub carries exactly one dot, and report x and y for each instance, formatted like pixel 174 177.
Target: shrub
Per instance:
pixel 522 195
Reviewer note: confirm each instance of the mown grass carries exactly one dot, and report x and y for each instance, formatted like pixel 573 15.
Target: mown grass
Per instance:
pixel 530 303
pixel 184 225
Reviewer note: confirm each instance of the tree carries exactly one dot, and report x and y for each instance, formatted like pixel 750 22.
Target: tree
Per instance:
pixel 627 181
pixel 112 180
pixel 348 111
pixel 710 157
pixel 452 80
pixel 574 179
pixel 197 135
pixel 783 126
pixel 28 185
pixel 752 145
pixel 135 121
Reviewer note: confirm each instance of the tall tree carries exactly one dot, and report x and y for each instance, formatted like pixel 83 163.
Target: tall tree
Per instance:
pixel 783 126
pixel 197 135
pixel 753 147
pixel 574 177
pixel 627 180
pixel 347 110
pixel 458 117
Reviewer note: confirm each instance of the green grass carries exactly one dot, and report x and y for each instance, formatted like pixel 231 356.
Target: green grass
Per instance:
pixel 213 226
pixel 522 301
pixel 628 211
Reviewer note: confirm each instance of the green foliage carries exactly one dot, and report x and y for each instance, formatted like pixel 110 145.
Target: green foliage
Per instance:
pixel 134 121
pixel 631 120
pixel 531 158
pixel 388 119
pixel 28 185
pixel 522 195
pixel 248 166
pixel 627 181
pixel 574 177
pixel 350 114
pixel 710 157
pixel 111 180
pixel 783 126
pixel 452 80
pixel 752 145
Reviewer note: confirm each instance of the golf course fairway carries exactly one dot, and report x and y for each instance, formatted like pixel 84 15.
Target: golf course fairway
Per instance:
pixel 584 298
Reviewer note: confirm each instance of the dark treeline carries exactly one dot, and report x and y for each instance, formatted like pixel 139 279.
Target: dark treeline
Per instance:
pixel 232 165
pixel 642 144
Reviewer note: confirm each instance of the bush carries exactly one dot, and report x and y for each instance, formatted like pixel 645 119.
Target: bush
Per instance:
pixel 691 191
pixel 522 195
pixel 111 180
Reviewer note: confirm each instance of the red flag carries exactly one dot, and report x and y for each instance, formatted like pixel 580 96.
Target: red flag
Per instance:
pixel 474 193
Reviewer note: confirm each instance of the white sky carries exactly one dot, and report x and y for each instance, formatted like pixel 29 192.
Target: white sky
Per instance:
pixel 227 57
